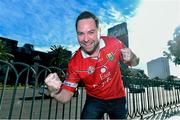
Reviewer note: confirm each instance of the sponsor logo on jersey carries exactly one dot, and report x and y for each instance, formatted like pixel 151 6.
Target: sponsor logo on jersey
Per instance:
pixel 110 56
pixel 91 69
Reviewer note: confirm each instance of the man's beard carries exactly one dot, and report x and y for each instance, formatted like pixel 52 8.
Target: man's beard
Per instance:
pixel 92 51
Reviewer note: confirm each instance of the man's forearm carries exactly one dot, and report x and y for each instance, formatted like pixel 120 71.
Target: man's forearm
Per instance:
pixel 63 96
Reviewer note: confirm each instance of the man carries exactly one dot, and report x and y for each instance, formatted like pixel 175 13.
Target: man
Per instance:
pixel 96 63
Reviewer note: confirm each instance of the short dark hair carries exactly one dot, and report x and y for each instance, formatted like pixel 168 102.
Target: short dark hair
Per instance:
pixel 85 15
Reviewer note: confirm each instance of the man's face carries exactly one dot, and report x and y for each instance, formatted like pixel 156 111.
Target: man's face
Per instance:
pixel 88 35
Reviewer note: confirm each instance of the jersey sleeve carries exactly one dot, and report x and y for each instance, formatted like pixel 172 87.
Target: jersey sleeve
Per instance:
pixel 117 44
pixel 121 46
pixel 72 79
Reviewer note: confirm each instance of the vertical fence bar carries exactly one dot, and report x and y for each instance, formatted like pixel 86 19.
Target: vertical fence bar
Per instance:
pixel 4 86
pixel 13 99
pixel 70 109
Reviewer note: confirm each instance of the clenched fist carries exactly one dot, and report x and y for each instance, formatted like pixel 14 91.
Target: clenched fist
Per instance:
pixel 127 54
pixel 53 83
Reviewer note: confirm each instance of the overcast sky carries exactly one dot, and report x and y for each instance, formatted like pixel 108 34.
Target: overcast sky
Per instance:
pixel 152 27
pixel 43 23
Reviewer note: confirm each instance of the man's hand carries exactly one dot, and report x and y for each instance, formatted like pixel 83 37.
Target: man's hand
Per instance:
pixel 53 83
pixel 129 56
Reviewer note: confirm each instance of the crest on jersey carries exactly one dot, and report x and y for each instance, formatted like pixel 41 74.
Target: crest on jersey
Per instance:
pixel 91 69
pixel 110 56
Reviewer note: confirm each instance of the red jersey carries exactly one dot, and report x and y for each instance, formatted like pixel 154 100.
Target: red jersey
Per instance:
pixel 102 76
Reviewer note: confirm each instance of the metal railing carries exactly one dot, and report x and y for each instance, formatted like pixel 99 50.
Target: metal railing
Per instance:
pixel 22 95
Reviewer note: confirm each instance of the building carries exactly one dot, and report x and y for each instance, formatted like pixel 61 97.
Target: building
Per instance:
pixel 10 44
pixel 120 32
pixel 158 68
pixel 27 54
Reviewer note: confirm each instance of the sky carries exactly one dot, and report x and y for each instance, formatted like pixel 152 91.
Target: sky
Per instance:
pixel 151 23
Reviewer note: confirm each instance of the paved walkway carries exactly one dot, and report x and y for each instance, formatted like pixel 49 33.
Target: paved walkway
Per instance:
pixel 170 114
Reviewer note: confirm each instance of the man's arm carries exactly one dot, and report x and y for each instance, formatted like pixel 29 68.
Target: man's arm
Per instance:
pixel 63 96
pixel 54 86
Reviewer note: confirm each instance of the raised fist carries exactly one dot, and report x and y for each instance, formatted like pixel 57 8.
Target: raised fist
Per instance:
pixel 127 54
pixel 53 83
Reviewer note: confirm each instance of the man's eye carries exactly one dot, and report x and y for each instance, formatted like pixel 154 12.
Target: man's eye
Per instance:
pixel 80 34
pixel 92 32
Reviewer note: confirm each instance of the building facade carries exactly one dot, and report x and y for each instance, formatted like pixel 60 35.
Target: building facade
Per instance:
pixel 120 31
pixel 158 68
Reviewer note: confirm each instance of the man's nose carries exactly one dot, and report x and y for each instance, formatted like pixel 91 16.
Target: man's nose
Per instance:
pixel 86 38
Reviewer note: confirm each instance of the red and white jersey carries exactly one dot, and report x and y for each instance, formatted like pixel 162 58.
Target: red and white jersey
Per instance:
pixel 102 76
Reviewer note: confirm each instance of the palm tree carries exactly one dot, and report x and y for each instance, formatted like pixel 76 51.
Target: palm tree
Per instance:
pixel 60 56
pixel 4 52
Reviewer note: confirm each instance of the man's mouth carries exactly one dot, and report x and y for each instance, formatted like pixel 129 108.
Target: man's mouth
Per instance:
pixel 88 45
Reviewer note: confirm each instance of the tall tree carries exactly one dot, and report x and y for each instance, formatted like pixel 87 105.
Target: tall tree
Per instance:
pixel 174 47
pixel 5 52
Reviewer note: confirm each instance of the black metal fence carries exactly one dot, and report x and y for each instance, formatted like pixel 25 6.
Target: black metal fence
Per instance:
pixel 22 95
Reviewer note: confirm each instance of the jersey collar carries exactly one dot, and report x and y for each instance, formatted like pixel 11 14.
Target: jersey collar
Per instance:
pixel 101 43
